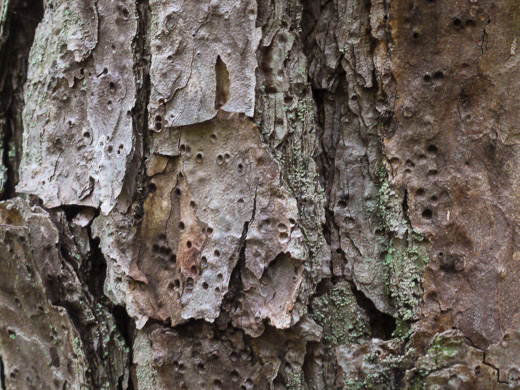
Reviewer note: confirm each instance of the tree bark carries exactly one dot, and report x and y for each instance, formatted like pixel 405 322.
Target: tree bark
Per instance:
pixel 259 194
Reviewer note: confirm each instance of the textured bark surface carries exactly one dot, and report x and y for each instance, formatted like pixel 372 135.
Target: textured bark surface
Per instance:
pixel 259 194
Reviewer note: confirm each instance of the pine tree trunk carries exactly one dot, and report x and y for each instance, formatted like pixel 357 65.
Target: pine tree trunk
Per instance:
pixel 259 194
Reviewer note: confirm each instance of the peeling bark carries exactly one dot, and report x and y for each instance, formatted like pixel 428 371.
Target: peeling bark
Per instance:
pixel 258 194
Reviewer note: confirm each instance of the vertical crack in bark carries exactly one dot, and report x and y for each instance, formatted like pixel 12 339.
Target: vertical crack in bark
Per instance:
pixel 140 112
pixel 2 375
pixel 126 326
pixel 222 77
pixel 235 281
pixel 19 27
pixel 92 314
pixel 144 144
pixel 350 114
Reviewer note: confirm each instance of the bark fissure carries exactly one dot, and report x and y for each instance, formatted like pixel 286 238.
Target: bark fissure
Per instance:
pixel 2 375
pixel 17 35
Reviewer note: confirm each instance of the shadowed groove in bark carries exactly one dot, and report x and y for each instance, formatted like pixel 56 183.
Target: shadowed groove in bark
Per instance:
pixel 140 111
pixel 144 145
pixel 23 17
pixel 335 98
pixel 382 325
pixel 91 271
pixel 126 326
pixel 2 374
pixel 236 285
pixel 222 76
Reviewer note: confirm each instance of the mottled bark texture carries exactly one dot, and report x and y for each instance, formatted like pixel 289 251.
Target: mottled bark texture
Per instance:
pixel 269 194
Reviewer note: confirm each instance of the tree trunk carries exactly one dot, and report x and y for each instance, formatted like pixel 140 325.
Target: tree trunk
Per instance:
pixel 268 194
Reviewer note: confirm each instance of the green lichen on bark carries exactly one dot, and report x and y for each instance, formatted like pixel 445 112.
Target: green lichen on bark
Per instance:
pixel 339 315
pixel 405 255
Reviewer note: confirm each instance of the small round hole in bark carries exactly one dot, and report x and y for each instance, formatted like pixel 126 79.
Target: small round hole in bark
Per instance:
pixel 432 149
pixel 427 214
pixel 165 250
pixel 342 204
pixel 284 237
pixel 158 122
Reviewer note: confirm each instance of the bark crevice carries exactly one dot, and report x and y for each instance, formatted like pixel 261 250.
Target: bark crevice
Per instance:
pixel 17 31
